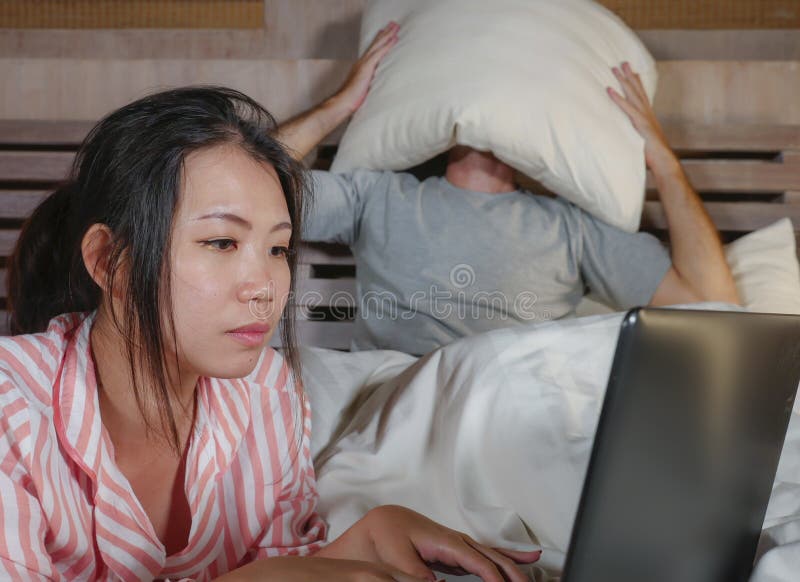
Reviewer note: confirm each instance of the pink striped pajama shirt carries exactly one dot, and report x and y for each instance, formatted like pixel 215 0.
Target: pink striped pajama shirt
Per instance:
pixel 68 513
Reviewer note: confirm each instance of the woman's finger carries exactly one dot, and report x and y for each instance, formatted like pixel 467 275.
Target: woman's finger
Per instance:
pixel 398 576
pixel 521 557
pixel 460 554
pixel 506 565
pixel 402 555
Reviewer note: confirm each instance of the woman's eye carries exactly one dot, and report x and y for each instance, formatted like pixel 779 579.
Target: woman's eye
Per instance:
pixel 220 244
pixel 279 252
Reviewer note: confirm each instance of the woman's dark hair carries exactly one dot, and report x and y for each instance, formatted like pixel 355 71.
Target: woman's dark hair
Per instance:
pixel 127 176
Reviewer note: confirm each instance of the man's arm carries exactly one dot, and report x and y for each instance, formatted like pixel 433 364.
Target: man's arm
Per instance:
pixel 303 133
pixel 699 270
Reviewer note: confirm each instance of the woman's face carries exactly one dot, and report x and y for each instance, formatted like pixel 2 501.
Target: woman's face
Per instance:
pixel 230 273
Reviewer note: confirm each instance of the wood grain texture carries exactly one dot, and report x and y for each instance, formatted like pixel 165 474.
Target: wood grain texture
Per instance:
pixel 75 89
pixel 730 92
pixel 18 204
pixel 729 216
pixel 8 238
pixel 131 14
pixel 728 137
pixel 35 166
pixel 706 92
pixel 338 37
pixel 740 176
pixel 690 137
pixel 707 14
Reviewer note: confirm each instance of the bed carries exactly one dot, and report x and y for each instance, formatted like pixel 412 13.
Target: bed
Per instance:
pixel 738 134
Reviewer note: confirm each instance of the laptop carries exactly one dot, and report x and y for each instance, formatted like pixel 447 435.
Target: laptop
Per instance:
pixel 687 447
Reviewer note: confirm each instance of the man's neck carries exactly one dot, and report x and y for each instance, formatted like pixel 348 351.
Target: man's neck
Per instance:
pixel 478 171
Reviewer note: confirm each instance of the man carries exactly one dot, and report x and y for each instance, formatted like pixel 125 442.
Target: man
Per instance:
pixel 469 252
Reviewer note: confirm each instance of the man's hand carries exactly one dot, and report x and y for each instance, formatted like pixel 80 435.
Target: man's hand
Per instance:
pixel 699 271
pixel 355 88
pixel 411 543
pixel 658 155
pixel 304 132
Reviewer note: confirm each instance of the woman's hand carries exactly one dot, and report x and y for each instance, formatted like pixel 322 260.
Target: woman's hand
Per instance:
pixel 313 569
pixel 356 86
pixel 658 155
pixel 412 543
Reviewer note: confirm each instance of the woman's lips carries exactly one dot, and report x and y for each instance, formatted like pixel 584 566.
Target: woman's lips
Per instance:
pixel 249 335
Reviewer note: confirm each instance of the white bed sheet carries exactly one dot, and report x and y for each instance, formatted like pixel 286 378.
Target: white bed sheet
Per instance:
pixel 491 435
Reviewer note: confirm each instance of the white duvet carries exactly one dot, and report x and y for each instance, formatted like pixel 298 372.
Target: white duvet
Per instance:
pixel 491 435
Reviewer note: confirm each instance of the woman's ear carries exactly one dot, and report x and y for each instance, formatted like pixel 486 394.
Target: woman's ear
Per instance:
pixel 95 249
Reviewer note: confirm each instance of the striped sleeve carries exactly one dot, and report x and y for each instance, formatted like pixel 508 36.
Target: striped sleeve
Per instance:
pixel 295 527
pixel 23 555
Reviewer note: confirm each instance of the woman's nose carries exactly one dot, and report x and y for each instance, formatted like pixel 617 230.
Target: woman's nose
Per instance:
pixel 253 291
pixel 256 283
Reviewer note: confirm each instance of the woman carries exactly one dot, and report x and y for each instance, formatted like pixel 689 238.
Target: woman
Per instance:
pixel 148 429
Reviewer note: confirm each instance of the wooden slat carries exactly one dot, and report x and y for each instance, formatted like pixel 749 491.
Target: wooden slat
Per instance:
pixel 722 45
pixel 729 92
pixel 38 132
pixel 19 203
pixel 35 166
pixel 327 334
pixel 313 291
pixel 739 176
pixel 707 14
pixel 132 14
pixel 326 255
pixel 716 92
pixel 729 216
pixel 4 323
pixel 681 136
pixel 3 277
pixel 331 31
pixel 87 89
pixel 733 138
pixel 8 238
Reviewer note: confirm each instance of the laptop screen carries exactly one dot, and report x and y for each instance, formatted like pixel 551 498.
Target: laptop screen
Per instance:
pixel 687 447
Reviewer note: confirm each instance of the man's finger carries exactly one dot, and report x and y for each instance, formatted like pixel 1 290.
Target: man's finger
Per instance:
pixel 385 35
pixel 636 81
pixel 623 103
pixel 627 87
pixel 380 52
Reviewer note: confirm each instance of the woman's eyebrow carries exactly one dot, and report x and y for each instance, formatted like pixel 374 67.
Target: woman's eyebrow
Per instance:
pixel 282 226
pixel 243 221
pixel 227 216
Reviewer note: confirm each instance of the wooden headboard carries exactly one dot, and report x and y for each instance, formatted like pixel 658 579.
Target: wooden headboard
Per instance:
pixel 748 176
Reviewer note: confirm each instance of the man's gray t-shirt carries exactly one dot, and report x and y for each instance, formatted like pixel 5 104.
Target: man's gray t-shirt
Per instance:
pixel 435 262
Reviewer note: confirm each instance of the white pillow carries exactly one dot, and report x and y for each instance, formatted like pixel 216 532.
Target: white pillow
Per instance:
pixel 765 267
pixel 524 79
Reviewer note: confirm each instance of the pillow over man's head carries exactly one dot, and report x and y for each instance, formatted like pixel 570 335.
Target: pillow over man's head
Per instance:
pixel 524 79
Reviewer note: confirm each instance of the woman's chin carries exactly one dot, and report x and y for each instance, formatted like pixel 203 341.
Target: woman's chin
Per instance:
pixel 236 366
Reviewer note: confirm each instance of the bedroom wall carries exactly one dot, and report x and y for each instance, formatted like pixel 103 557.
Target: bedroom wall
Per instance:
pixel 290 53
